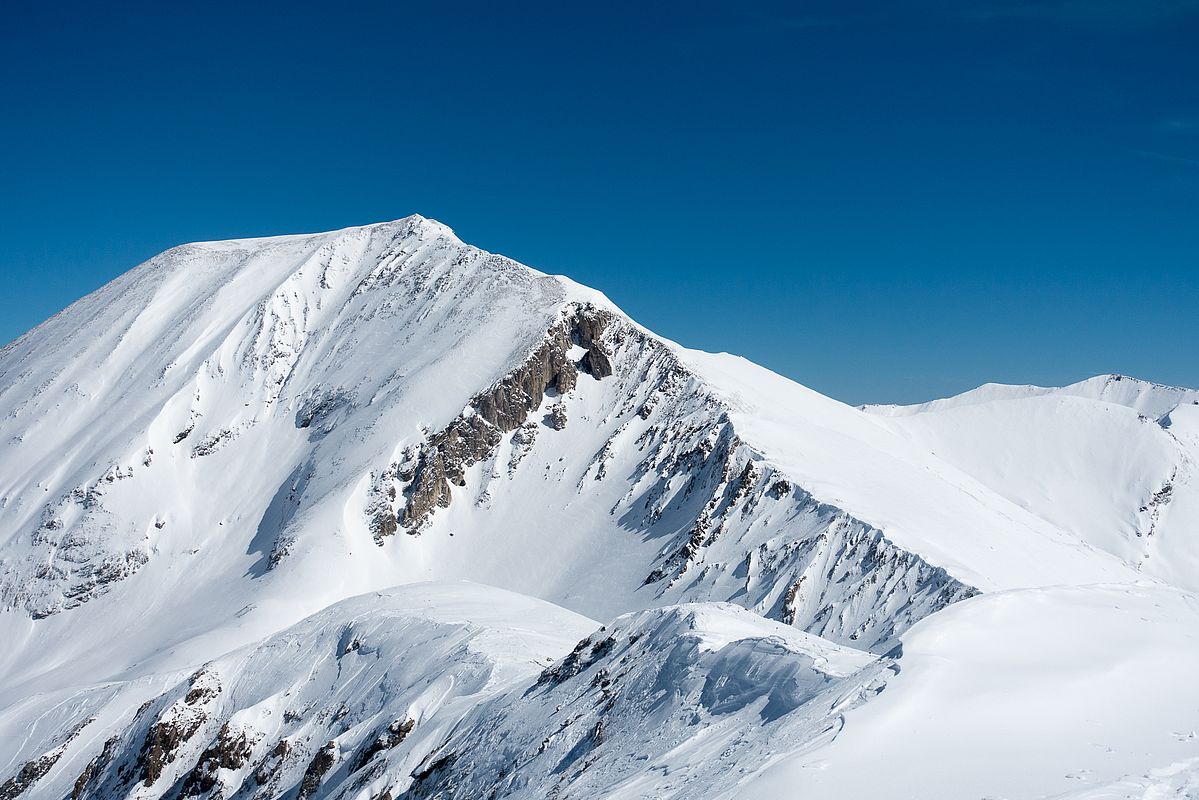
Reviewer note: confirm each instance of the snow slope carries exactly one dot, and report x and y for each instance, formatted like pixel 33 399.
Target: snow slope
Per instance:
pixel 1153 400
pixel 924 504
pixel 1028 693
pixel 1085 458
pixel 215 467
pixel 367 674
pixel 681 701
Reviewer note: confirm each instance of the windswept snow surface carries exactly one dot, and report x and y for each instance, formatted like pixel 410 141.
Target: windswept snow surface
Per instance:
pixel 1153 400
pixel 1028 693
pixel 1112 461
pixel 255 496
pixel 923 503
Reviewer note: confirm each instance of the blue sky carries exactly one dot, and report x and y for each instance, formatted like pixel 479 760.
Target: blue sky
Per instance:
pixel 886 202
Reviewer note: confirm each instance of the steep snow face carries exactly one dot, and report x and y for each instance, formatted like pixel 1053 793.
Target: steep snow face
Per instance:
pixel 128 417
pixel 645 493
pixel 455 690
pixel 1100 470
pixel 171 433
pixel 923 503
pixel 683 701
pixel 346 703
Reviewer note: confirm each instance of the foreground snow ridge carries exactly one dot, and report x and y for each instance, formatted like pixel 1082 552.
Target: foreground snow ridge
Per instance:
pixel 377 514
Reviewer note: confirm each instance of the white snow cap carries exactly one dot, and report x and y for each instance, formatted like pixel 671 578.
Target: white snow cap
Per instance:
pixel 375 511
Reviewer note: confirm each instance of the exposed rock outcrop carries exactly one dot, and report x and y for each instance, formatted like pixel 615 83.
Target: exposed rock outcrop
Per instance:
pixel 752 535
pixel 29 774
pixel 175 726
pixel 475 433
pixel 267 771
pixel 231 750
pixel 320 765
pixel 557 417
pixel 84 783
pixel 395 733
pixel 595 361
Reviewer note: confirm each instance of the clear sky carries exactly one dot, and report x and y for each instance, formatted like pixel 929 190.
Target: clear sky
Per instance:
pixel 886 202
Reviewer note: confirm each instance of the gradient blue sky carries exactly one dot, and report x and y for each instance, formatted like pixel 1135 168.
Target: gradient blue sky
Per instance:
pixel 886 202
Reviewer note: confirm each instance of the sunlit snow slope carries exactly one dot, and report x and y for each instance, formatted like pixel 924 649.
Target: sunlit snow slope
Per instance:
pixel 1112 460
pixel 215 471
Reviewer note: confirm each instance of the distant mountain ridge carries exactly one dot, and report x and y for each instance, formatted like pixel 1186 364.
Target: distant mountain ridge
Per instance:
pixel 1112 459
pixel 1154 400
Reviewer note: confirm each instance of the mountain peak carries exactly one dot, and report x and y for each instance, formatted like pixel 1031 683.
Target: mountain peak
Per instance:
pixel 404 226
pixel 241 436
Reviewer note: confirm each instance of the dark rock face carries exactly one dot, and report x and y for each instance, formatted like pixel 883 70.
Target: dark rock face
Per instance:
pixel 383 524
pixel 557 417
pixel 321 763
pixel 473 435
pixel 163 739
pixel 506 405
pixel 213 442
pixel 266 772
pixel 166 736
pixel 29 774
pixel 83 783
pixel 92 580
pixel 231 750
pixel 583 656
pixel 201 690
pixel 395 734
pixel 595 361
pixel 35 769
pixel 176 726
pixel 436 773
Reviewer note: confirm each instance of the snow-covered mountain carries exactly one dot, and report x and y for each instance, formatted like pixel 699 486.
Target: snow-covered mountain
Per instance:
pixel 1112 460
pixel 375 513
